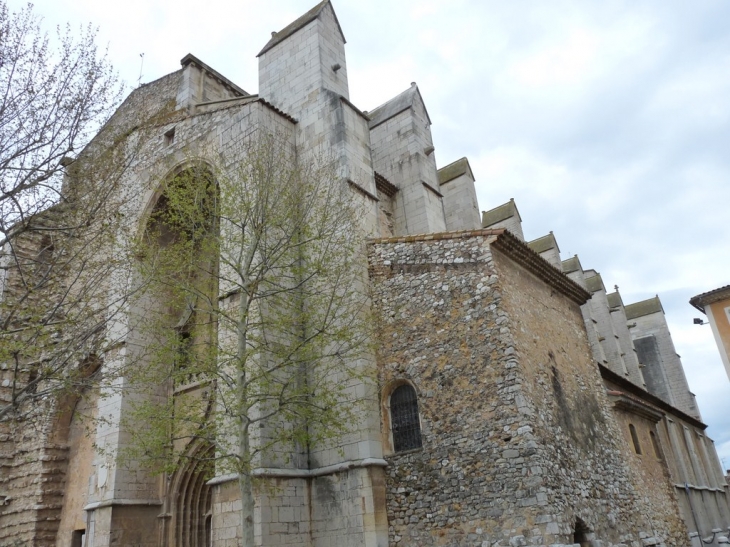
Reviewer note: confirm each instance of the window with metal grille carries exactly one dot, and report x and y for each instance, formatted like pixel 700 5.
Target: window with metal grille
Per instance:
pixel 404 419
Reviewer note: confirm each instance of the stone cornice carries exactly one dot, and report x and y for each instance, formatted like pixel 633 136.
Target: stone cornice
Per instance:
pixel 281 472
pixel 515 249
pixel 647 398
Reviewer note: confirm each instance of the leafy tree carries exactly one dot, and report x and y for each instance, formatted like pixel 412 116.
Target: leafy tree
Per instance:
pixel 56 301
pixel 255 328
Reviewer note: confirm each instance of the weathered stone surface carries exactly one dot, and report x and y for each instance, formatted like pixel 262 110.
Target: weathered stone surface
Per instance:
pixel 521 445
pixel 518 437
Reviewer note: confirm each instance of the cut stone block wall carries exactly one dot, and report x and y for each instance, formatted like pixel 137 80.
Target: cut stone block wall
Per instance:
pixel 80 470
pixel 399 152
pixel 655 324
pixel 460 204
pixel 32 474
pixel 702 493
pixel 607 335
pixel 625 344
pixel 343 508
pixel 587 311
pixel 295 70
pixel 653 368
pixel 505 216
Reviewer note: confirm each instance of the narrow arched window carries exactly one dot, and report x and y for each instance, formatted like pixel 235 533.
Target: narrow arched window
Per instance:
pixel 655 444
pixel 184 371
pixel 404 419
pixel 635 439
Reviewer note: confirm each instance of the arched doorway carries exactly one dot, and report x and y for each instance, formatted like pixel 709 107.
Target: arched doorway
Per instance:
pixel 581 533
pixel 190 500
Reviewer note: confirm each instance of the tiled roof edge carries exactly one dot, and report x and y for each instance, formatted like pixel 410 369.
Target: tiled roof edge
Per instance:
pixel 710 297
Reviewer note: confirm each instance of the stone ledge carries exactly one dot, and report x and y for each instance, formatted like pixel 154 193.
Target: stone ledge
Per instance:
pixel 303 473
pixel 110 503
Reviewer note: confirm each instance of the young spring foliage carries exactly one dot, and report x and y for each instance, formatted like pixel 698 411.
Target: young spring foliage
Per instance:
pixel 255 330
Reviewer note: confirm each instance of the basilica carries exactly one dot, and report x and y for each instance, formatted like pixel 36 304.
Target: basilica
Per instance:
pixel 517 400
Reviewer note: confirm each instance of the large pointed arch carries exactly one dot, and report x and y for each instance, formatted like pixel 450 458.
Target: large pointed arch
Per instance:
pixel 195 166
pixel 174 337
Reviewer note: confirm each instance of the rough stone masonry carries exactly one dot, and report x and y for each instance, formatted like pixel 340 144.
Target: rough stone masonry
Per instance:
pixel 519 443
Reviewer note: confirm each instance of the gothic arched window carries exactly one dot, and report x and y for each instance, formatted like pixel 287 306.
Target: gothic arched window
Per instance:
pixel 404 419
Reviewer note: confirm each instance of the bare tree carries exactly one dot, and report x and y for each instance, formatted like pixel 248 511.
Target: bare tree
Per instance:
pixel 60 197
pixel 54 95
pixel 257 320
pixel 55 291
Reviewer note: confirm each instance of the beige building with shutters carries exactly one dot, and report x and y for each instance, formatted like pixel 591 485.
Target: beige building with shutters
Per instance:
pixel 716 306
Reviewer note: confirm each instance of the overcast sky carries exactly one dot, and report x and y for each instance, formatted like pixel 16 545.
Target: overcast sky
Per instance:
pixel 608 122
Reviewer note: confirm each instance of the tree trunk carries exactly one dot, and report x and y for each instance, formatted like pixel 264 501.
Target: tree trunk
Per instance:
pixel 247 502
pixel 245 483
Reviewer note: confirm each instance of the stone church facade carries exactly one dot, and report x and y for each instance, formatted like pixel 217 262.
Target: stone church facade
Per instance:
pixel 520 402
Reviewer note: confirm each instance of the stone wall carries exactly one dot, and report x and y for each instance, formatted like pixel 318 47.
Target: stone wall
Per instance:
pixel 586 474
pixel 519 442
pixel 626 346
pixel 343 507
pixel 574 271
pixel 283 513
pixel 641 333
pixel 521 445
pixel 607 335
pixel 34 444
pixel 80 468
pixel 402 151
pixel 654 324
pixel 505 216
pixel 32 473
pixel 461 209
pixel 348 508
pixel 648 460
pixel 386 214
pixel 441 330
pixel 298 65
pixel 701 489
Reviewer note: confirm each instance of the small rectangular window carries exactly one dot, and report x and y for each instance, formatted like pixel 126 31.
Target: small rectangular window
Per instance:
pixel 77 538
pixel 170 137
